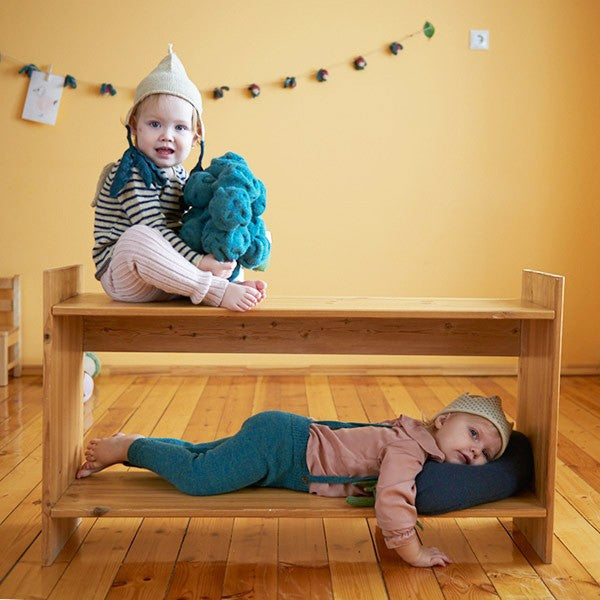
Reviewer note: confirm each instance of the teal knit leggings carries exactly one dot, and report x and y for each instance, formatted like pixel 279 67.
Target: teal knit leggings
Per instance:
pixel 269 450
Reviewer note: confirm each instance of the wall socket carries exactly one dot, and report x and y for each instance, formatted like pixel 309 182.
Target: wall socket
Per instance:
pixel 480 39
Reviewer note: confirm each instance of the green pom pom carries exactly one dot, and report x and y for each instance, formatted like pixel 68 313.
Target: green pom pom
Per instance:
pixel 428 29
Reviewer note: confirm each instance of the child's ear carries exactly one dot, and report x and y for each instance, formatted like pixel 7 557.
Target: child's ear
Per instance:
pixel 133 125
pixel 439 421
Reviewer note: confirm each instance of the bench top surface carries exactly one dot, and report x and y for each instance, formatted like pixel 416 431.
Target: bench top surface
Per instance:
pixel 100 305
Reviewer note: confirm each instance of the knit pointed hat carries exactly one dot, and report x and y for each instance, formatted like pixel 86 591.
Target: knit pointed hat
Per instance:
pixel 489 408
pixel 169 77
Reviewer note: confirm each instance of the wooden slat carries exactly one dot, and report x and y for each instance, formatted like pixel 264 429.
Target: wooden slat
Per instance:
pixel 252 561
pixel 28 578
pixel 146 571
pixel 354 570
pixel 289 306
pixel 130 493
pixel 508 570
pixel 565 577
pixel 107 542
pixel 303 562
pixel 200 570
pixel 401 579
pixel 303 335
pixel 464 577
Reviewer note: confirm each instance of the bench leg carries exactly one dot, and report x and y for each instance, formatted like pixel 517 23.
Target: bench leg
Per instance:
pixel 63 407
pixel 538 394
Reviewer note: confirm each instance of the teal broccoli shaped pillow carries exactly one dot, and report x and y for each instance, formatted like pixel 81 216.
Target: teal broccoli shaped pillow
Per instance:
pixel 224 206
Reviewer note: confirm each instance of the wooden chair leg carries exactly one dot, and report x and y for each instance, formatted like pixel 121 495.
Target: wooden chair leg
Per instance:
pixel 17 367
pixel 3 359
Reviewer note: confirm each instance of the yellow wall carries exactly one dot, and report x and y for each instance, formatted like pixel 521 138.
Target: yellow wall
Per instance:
pixel 438 172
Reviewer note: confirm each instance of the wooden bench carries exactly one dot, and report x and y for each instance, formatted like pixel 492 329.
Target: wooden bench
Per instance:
pixel 10 328
pixel 528 327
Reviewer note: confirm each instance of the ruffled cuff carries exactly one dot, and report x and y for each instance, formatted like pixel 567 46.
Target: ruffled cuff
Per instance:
pixel 396 538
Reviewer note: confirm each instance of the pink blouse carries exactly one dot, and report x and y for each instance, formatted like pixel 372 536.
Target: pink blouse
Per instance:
pixel 394 454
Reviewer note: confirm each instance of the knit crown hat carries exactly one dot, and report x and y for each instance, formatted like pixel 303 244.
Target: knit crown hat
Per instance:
pixel 489 408
pixel 169 77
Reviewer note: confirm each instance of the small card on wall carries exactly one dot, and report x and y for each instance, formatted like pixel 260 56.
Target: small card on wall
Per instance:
pixel 43 97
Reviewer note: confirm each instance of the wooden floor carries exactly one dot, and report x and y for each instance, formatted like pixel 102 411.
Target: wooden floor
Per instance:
pixel 265 559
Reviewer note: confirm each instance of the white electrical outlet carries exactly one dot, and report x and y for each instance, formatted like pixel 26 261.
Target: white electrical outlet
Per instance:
pixel 480 39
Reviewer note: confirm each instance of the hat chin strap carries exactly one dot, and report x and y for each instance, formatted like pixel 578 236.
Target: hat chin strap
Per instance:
pixel 198 168
pixel 132 157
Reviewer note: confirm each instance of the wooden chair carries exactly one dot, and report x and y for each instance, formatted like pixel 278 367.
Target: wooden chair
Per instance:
pixel 10 328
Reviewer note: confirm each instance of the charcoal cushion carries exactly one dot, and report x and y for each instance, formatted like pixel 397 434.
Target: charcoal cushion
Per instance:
pixel 444 487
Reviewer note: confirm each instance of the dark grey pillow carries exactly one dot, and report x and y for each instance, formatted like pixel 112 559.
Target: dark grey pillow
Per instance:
pixel 443 487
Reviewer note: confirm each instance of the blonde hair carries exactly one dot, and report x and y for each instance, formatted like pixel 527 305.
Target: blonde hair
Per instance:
pixel 196 122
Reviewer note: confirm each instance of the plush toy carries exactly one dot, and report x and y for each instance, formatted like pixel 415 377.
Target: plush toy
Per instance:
pixel 225 203
pixel 91 368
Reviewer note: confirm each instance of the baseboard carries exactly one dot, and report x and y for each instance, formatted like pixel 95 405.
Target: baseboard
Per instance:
pixel 464 370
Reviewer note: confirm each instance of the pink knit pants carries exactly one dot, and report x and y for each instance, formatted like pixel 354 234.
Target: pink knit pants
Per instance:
pixel 145 268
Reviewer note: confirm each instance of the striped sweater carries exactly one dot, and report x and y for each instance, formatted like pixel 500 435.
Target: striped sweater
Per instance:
pixel 136 204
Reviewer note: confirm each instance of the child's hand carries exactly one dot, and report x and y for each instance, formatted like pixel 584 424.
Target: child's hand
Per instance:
pixel 422 556
pixel 218 269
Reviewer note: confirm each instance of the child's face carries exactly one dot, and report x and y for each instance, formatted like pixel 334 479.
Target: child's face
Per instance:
pixel 163 129
pixel 466 439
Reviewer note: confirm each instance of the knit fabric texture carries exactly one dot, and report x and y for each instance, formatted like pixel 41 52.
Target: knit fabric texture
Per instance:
pixel 224 206
pixel 168 77
pixel 268 451
pixel 489 408
pixel 135 159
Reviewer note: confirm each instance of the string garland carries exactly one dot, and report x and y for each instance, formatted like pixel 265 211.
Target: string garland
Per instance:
pixel 254 90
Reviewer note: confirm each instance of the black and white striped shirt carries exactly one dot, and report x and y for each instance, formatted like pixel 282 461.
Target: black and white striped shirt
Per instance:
pixel 137 204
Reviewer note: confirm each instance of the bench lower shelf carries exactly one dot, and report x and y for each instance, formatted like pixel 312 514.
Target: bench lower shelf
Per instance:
pixel 140 494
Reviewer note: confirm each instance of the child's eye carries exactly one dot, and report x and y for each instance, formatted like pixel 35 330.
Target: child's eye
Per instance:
pixel 473 433
pixel 181 128
pixel 154 124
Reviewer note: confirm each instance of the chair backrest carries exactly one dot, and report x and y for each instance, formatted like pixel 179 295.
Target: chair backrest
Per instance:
pixel 10 301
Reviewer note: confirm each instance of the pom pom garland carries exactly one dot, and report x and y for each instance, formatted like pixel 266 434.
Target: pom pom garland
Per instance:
pixel 218 92
pixel 107 88
pixel 70 81
pixel 322 75
pixel 28 69
pixel 428 30
pixel 360 63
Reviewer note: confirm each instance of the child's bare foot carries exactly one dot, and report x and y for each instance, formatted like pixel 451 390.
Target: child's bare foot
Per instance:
pixel 257 284
pixel 240 297
pixel 104 452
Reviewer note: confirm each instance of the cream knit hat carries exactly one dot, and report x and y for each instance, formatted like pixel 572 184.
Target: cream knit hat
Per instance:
pixel 488 408
pixel 169 77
